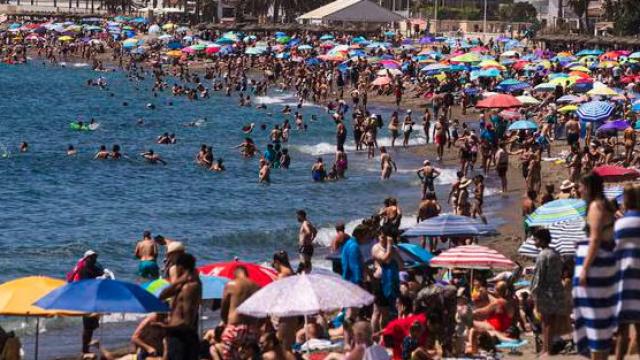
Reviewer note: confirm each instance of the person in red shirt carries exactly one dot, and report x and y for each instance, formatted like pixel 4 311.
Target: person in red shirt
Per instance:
pixel 398 329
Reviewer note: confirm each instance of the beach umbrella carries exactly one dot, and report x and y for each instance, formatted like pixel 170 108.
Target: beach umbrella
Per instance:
pixel 414 253
pixel 188 50
pixel 613 192
pixel 568 108
pixel 564 236
pixel 499 101
pixel 17 297
pixel 569 99
pixel 523 125
pixel 594 111
pixel 65 38
pixel 472 257
pixel 435 67
pixel 617 125
pixel 466 58
pixel 616 173
pixel 283 39
pixel 511 85
pixel 255 51
pixel 592 52
pixel 198 47
pixel 174 53
pixel 154 29
pixel 556 211
pixel 381 81
pixel 601 90
pixel 635 55
pixel 386 72
pixel 305 47
pixel 212 286
pixel 528 100
pixel 450 225
pixel 259 274
pixel 510 115
pixel 303 295
pixel 545 87
pixel 168 26
pixel 102 296
pixel 224 41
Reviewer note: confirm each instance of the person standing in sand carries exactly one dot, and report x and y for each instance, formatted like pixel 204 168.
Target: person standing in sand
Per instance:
pixel 439 137
pixel 185 293
pixel 306 235
pixel 147 252
pixel 502 165
pixel 239 329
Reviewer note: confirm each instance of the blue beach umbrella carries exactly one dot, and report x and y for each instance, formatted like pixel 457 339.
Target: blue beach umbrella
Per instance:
pixel 224 41
pixel 592 52
pixel 595 111
pixel 212 287
pixel 511 85
pixel 556 211
pixel 523 125
pixel 450 225
pixel 102 296
pixel 635 107
pixel 415 253
pixel 326 37
pixel 305 47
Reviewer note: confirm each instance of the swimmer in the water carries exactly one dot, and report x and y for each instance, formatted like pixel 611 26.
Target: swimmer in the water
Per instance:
pixel 164 139
pixel 115 152
pixel 124 103
pixel 263 174
pixel 102 154
pixel 140 122
pixel 152 157
pixel 24 147
pixel 286 110
pixel 261 106
pixel 151 106
pixel 71 151
pixel 263 127
pixel 248 148
pixel 217 165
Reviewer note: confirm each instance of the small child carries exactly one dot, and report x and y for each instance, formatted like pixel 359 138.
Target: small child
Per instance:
pixel 410 343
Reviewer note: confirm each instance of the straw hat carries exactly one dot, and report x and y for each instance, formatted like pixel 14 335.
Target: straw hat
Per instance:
pixel 464 182
pixel 566 185
pixel 175 246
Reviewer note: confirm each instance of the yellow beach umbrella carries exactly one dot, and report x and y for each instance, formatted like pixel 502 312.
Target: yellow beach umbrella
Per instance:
pixel 468 57
pixel 168 26
pixel 65 38
pixel 564 82
pixel 602 90
pixel 568 108
pixel 174 53
pixel 484 64
pixel 581 69
pixel 17 297
pixel 607 64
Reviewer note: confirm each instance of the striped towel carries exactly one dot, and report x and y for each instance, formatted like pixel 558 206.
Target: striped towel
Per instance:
pixel 627 233
pixel 594 304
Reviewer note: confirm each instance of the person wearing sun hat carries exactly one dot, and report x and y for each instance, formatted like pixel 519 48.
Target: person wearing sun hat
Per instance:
pixel 174 250
pixel 565 190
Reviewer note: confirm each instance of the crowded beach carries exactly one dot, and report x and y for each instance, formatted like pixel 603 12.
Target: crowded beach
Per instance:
pixel 554 129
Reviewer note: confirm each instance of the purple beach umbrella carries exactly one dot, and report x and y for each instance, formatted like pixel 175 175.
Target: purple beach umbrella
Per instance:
pixel 617 125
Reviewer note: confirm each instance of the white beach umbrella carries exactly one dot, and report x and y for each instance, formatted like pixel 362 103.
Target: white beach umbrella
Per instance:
pixel 304 295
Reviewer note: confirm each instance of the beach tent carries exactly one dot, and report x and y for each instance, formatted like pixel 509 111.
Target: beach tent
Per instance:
pixel 303 295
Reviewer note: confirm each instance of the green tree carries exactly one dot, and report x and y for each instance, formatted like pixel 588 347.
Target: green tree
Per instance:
pixel 625 15
pixel 518 12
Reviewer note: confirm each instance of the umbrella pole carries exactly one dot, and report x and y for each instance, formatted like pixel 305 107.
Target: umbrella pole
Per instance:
pixel 37 335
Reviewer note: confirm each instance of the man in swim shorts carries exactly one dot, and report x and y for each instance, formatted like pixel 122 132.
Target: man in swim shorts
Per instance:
pixel 147 252
pixel 306 236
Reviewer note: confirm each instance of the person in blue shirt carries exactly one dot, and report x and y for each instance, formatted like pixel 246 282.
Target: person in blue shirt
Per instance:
pixel 270 154
pixel 352 261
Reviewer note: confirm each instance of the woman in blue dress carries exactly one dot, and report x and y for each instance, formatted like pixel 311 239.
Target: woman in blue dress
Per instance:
pixel 594 284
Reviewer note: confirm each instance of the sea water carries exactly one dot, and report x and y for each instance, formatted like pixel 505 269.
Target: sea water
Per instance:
pixel 55 207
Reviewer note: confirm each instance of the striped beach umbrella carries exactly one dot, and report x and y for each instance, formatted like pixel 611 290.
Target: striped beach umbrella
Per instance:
pixel 595 111
pixel 557 210
pixel 564 236
pixel 472 257
pixel 450 225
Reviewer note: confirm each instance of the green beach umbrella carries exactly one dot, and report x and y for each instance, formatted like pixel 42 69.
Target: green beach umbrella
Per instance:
pixel 283 39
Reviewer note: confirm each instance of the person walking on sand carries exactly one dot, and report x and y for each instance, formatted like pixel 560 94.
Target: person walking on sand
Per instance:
pixel 306 236
pixel 147 252
pixel 502 165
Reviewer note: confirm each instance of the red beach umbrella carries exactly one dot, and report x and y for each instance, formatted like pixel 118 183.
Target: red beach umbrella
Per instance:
pixel 614 173
pixel 259 274
pixel 500 101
